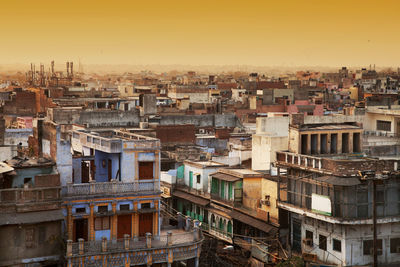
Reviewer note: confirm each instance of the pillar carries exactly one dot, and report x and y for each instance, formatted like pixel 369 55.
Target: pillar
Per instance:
pixel 114 221
pixel 148 240
pixel 69 248
pixel 308 144
pixel 91 222
pixel 350 144
pixel 169 238
pixel 318 143
pixel 339 143
pixel 126 241
pixel 328 143
pixel 103 244
pixel 81 246
pixel 70 223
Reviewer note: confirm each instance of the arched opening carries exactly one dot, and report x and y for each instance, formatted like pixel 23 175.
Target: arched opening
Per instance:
pixel 221 224
pixel 229 227
pixel 212 220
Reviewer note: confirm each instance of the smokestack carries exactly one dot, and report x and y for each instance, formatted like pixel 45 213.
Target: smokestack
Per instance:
pixel 72 68
pixel 52 67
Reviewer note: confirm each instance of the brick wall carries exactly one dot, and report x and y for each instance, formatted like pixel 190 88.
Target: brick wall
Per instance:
pixel 179 134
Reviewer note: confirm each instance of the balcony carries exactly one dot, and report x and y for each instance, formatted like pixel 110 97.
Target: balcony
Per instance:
pixel 29 199
pixel 115 187
pixel 339 165
pixel 174 245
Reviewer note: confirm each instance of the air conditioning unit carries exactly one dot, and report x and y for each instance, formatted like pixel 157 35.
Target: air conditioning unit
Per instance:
pixel 202 131
pixel 308 242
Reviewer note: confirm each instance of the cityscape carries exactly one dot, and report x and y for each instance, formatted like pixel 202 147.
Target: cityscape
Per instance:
pixel 173 133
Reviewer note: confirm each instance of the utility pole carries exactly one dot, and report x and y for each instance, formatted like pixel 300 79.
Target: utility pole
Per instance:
pixel 374 221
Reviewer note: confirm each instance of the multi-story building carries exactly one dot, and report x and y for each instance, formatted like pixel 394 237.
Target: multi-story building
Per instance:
pixel 329 206
pixel 112 209
pixel 31 216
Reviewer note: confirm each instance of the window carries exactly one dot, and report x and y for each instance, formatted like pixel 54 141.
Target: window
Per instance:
pixel 145 206
pixel 102 223
pixel 102 208
pixel 28 180
pixel 368 247
pixel 337 245
pixel 362 204
pixel 198 178
pixel 123 207
pixel 29 237
pixel 80 210
pixel 395 245
pixel 383 125
pixel 309 238
pixel 322 242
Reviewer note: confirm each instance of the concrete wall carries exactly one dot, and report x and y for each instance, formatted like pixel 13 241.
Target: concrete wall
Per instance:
pixel 209 120
pixel 269 187
pixel 7 152
pixel 264 148
pixel 16 136
pixel 273 125
pixel 204 177
pixel 371 118
pixel 251 192
pixel 14 248
pixel 102 172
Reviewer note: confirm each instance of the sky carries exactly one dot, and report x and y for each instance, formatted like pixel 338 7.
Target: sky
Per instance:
pixel 218 32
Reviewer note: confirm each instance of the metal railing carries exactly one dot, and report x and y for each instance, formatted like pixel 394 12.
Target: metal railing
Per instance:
pixel 29 195
pixel 94 188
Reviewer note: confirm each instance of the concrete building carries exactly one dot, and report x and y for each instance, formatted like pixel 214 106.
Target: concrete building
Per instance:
pixel 112 208
pixel 328 208
pixel 31 220
pixel 271 136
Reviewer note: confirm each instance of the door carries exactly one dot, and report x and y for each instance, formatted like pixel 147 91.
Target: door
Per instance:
pixel 92 170
pixel 80 229
pixel 190 179
pixel 222 195
pixel 124 225
pixel 230 191
pixel 109 165
pixel 296 235
pixel 145 170
pixel 145 223
pixel 85 172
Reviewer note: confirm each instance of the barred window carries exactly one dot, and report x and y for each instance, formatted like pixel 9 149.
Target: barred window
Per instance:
pixel 383 125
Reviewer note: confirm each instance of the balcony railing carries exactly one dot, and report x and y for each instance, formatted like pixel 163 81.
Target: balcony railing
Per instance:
pixel 300 160
pixel 29 195
pixel 94 188
pixel 171 239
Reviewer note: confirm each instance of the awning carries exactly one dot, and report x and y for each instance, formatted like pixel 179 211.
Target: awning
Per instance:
pixel 225 177
pixel 334 180
pixel 260 225
pixel 192 198
pixel 31 217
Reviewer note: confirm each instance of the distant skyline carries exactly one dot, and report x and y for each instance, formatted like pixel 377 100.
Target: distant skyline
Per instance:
pixel 284 33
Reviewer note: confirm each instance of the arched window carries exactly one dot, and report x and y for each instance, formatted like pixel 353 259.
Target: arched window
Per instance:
pixel 229 227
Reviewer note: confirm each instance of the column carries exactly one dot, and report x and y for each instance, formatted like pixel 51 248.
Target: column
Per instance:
pixel 70 223
pixel 351 135
pixel 308 144
pixel 91 222
pixel 114 221
pixel 136 165
pixel 339 143
pixel 318 143
pixel 328 143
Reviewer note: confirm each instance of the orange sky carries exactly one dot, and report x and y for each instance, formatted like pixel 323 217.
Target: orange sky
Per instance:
pixel 279 32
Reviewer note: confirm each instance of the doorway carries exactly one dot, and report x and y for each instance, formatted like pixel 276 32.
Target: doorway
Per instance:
pixel 124 225
pixel 80 229
pixel 145 223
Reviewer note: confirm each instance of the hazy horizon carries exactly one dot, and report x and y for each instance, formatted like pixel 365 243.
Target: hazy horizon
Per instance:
pixel 256 32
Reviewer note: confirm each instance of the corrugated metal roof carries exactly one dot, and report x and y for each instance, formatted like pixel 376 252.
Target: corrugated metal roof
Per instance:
pixel 192 198
pixel 263 226
pixel 225 177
